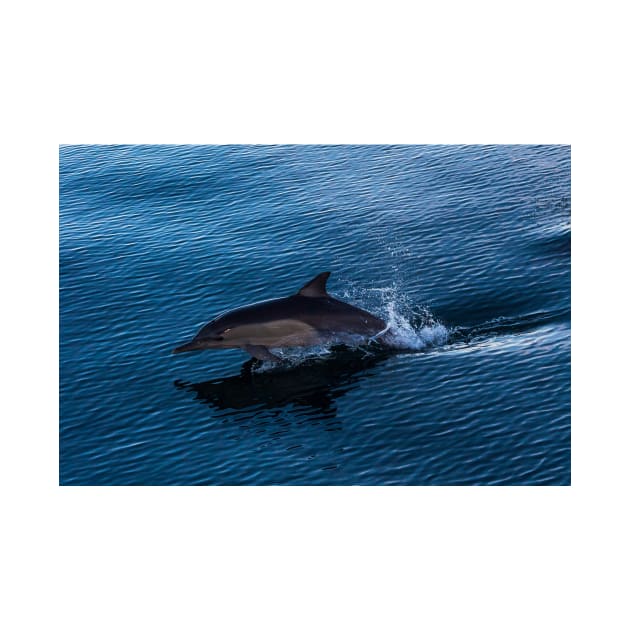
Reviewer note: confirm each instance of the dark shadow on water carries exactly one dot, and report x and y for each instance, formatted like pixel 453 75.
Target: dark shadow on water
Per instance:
pixel 311 386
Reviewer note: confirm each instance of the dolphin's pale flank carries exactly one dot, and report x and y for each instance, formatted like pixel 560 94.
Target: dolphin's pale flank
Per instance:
pixel 310 317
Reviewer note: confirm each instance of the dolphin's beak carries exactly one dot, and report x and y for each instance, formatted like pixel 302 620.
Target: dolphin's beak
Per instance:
pixel 188 347
pixel 200 344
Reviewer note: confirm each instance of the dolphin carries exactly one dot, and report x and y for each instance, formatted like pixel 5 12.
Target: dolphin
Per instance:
pixel 308 318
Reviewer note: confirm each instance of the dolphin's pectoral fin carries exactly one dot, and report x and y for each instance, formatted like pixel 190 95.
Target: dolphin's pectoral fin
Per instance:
pixel 260 352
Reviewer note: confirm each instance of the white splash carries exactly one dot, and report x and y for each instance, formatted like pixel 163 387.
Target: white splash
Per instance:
pixel 425 332
pixel 292 357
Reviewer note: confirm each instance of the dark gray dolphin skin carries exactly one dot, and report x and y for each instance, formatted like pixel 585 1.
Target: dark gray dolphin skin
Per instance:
pixel 308 318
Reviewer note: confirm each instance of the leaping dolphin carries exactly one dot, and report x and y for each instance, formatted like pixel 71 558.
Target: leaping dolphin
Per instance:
pixel 310 317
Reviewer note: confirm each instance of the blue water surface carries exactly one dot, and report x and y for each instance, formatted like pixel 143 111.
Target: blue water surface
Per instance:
pixel 464 250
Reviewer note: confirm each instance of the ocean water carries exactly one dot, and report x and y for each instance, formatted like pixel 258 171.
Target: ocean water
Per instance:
pixel 464 250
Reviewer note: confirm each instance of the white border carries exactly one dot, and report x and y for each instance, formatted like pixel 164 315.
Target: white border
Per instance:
pixel 314 557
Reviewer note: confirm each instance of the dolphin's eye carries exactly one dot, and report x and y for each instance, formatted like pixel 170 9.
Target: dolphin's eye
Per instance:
pixel 226 330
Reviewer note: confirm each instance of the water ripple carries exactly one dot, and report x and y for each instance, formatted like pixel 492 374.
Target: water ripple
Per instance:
pixel 463 250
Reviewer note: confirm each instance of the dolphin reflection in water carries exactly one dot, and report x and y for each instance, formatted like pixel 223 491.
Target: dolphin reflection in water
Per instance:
pixel 312 385
pixel 311 317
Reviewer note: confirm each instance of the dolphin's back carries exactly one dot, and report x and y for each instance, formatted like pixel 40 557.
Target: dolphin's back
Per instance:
pixel 324 314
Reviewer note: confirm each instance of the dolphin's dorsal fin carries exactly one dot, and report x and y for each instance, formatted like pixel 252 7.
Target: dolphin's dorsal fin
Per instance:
pixel 316 287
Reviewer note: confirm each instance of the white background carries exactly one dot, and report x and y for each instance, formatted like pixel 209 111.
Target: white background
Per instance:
pixel 275 72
